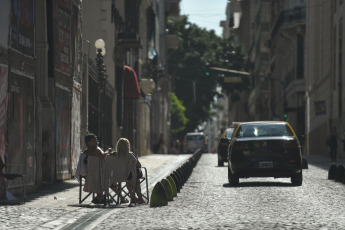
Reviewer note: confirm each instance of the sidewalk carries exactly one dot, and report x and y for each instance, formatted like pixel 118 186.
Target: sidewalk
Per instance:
pixel 322 161
pixel 66 194
pixel 57 206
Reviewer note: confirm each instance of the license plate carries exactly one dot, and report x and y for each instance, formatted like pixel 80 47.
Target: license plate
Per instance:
pixel 265 164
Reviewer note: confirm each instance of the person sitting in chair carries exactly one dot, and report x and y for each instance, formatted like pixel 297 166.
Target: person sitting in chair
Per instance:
pixel 127 165
pixel 93 182
pixel 139 174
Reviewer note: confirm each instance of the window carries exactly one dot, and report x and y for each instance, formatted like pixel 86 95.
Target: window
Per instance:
pixel 265 27
pixel 334 57
pixel 261 130
pixel 340 68
pixel 229 134
pixel 265 56
pixel 300 57
pixel 195 137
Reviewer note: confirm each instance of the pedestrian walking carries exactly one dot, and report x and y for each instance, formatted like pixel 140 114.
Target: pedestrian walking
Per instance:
pixel 332 142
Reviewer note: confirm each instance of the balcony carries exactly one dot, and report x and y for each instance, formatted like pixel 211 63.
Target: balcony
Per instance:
pixel 172 8
pixel 288 18
pixel 171 41
pixel 129 40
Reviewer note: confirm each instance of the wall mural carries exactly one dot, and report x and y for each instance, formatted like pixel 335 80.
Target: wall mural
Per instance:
pixel 20 114
pixel 63 35
pixel 75 142
pixel 23 26
pixel 63 154
pixel 5 11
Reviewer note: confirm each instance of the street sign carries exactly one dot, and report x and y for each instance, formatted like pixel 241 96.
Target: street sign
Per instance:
pixel 232 79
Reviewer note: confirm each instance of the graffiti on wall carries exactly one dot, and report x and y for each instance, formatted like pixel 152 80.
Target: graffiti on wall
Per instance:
pixel 3 108
pixel 21 124
pixel 23 26
pixel 5 22
pixel 63 35
pixel 62 132
pixel 75 142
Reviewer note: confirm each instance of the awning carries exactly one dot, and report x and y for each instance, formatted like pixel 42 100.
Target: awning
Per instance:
pixel 132 88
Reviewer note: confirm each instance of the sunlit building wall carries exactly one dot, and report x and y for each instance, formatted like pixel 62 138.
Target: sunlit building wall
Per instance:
pixel 324 74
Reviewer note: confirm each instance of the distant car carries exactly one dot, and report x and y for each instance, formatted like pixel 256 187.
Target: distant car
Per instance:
pixel 194 141
pixel 264 149
pixel 224 142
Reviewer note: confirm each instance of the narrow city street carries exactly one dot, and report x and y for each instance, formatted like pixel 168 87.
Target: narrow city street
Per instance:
pixel 168 80
pixel 207 201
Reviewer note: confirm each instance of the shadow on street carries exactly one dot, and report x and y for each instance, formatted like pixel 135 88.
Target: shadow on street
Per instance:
pixel 51 189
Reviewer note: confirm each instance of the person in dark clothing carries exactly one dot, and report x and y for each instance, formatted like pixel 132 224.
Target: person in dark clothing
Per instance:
pixel 332 142
pixel 158 147
pixel 3 185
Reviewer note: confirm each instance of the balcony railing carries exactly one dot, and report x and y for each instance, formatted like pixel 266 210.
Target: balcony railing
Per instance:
pixel 289 17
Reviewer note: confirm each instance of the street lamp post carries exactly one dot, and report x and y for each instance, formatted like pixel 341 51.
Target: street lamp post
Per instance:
pixel 102 77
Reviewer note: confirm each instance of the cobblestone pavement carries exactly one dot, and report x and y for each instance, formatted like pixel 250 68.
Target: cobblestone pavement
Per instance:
pixel 57 206
pixel 207 201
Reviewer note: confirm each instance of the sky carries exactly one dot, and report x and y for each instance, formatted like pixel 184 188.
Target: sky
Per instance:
pixel 205 13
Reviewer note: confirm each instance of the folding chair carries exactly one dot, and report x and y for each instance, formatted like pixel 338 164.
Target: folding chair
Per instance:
pixel 16 174
pixel 143 179
pixel 95 166
pixel 81 184
pixel 115 181
pixel 114 196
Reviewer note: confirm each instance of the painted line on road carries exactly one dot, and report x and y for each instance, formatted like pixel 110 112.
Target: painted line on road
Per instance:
pixel 92 220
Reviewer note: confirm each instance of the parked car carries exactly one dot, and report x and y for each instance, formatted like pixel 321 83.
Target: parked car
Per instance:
pixel 194 141
pixel 264 149
pixel 223 143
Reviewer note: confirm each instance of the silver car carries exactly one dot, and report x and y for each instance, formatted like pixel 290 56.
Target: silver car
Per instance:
pixel 194 141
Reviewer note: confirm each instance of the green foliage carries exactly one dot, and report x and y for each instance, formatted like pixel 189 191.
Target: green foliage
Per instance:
pixel 232 56
pixel 188 65
pixel 178 117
